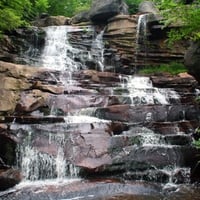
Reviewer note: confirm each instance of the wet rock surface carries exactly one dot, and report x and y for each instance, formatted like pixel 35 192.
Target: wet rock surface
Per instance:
pixel 103 122
pixel 9 178
pixel 101 11
pixel 192 59
pixel 111 146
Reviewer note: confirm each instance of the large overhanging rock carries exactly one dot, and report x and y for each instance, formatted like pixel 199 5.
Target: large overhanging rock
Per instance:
pixel 9 178
pixel 147 7
pixel 192 60
pixel 102 10
pixel 51 21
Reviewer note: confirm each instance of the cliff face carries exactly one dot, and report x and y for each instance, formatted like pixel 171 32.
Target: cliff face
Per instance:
pixel 137 41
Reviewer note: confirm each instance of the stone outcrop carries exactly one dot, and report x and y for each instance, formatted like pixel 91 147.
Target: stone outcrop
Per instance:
pixel 9 178
pixel 46 20
pixel 80 17
pixel 99 123
pixel 22 43
pixel 102 10
pixel 192 60
pixel 147 7
pixel 130 45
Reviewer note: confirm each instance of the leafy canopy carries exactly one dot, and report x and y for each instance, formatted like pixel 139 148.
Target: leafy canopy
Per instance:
pixel 15 13
pixel 185 17
pixel 69 7
pixel 133 5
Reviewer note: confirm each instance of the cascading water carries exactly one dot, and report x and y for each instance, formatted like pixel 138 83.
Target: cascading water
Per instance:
pixel 107 127
pixel 37 163
pixel 141 36
pixel 142 91
pixel 58 53
pixel 97 50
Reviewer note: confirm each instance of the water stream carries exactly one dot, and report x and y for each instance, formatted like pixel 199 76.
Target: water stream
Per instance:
pixel 44 147
pixel 97 50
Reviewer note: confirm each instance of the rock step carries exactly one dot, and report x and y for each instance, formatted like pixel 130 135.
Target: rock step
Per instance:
pixel 146 114
pixel 167 175
pixel 141 158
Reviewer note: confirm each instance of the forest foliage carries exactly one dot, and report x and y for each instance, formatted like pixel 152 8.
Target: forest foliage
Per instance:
pixel 16 13
pixel 182 14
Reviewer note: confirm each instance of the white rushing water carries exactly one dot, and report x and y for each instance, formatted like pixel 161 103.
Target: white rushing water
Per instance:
pixel 58 53
pixel 97 50
pixel 142 91
pixel 38 165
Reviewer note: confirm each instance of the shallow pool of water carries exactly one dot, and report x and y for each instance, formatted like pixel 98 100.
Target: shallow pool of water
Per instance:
pixel 100 190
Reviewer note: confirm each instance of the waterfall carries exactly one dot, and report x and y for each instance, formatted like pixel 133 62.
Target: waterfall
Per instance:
pixel 141 31
pixel 97 50
pixel 58 53
pixel 109 122
pixel 141 36
pixel 32 46
pixel 41 163
pixel 142 91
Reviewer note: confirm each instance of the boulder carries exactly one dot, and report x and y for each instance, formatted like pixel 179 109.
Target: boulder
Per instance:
pixel 80 17
pixel 8 100
pixel 192 60
pixel 9 178
pixel 31 101
pixel 103 10
pixel 147 7
pixel 51 21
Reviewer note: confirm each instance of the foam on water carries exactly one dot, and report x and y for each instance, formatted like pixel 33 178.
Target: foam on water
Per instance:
pixel 84 119
pixel 142 91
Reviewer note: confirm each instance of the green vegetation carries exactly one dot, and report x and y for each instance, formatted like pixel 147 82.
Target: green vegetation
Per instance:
pixel 16 13
pixel 68 8
pixel 197 141
pixel 173 68
pixel 133 5
pixel 184 16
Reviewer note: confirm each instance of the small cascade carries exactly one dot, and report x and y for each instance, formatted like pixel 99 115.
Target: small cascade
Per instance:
pixel 58 53
pixel 141 31
pixel 141 36
pixel 147 143
pixel 142 91
pixel 32 47
pixel 38 163
pixel 97 50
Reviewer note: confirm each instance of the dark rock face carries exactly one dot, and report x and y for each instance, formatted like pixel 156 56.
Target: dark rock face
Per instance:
pixel 130 45
pixel 147 7
pixel 102 10
pixel 80 17
pixel 44 21
pixel 22 43
pixel 192 60
pixel 9 178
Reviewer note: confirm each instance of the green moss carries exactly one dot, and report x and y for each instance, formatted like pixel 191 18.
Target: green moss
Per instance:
pixel 197 141
pixel 173 68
